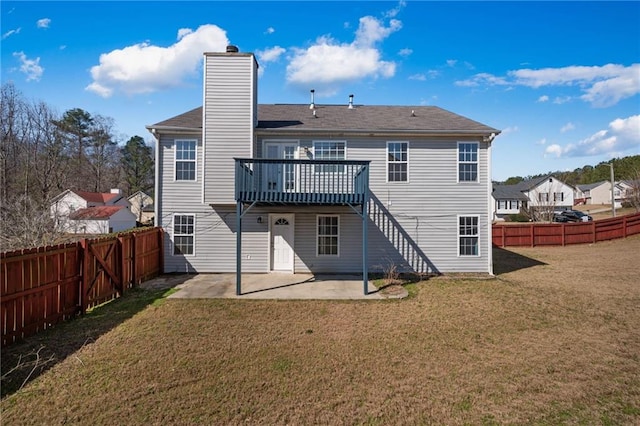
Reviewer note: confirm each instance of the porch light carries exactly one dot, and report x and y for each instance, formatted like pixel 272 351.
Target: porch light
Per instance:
pixel 259 219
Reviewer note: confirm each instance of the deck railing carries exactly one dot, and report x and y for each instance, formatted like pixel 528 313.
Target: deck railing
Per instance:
pixel 301 181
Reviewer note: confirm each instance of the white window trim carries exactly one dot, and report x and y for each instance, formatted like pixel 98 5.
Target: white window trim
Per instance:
pixel 477 162
pixel 295 142
pixel 173 234
pixel 318 235
pixel 459 236
pixel 387 164
pixel 175 160
pixel 313 144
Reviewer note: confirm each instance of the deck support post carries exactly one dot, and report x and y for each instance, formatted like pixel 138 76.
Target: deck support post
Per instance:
pixel 365 252
pixel 238 248
pixel 365 227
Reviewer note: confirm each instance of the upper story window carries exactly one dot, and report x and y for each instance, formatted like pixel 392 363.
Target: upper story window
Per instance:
pixel 467 161
pixel 329 150
pixel 397 162
pixel 558 196
pixel 543 197
pixel 185 161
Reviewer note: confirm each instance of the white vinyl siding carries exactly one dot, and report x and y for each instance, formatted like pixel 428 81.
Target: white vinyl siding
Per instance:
pixel 328 235
pixel 185 159
pixel 468 162
pixel 229 117
pixel 468 236
pixel 184 234
pixel 397 161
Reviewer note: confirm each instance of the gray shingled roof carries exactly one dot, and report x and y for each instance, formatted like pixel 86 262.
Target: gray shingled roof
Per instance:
pixel 367 118
pixel 590 186
pixel 508 192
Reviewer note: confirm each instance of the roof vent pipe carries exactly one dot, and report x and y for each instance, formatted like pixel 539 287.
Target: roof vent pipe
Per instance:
pixel 232 49
pixel 313 105
pixel 350 101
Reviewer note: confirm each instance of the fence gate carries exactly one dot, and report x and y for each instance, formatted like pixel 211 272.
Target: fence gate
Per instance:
pixel 101 272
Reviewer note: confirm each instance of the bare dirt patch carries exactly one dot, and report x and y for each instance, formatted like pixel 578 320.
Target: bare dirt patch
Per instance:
pixel 552 340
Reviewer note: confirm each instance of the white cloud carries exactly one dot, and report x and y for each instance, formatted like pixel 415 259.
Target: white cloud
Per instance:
pixel 327 64
pixel 567 127
pixel 543 98
pixel 405 52
pixel 182 32
pixel 542 141
pixel 270 30
pixel 602 86
pixel 510 129
pixel 10 33
pixel 29 67
pixel 559 100
pixel 623 134
pixel 483 79
pixel 144 68
pixel 452 62
pixel 429 75
pixel 270 55
pixel 371 31
pixel 43 23
pixel 394 12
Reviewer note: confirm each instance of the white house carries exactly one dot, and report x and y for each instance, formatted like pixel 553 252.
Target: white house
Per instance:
pixel 102 220
pixel 140 203
pixel 541 196
pixel 84 212
pixel 509 200
pixel 248 187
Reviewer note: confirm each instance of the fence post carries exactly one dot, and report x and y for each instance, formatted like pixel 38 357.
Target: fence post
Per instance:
pixel 84 276
pixel 160 234
pixel 532 233
pixel 593 230
pixel 562 231
pixel 134 260
pixel 504 237
pixel 120 252
pixel 624 226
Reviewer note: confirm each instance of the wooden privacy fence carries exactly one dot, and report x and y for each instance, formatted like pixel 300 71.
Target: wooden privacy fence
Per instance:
pixel 46 285
pixel 561 234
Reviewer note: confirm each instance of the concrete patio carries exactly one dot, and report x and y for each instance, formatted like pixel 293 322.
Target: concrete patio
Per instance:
pixel 270 286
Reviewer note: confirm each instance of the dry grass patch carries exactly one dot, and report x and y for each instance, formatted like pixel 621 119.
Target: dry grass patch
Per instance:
pixel 553 340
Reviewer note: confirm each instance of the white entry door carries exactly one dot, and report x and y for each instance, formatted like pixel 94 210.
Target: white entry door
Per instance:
pixel 280 177
pixel 281 242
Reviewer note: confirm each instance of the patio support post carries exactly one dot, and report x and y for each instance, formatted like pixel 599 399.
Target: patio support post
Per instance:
pixel 365 223
pixel 238 248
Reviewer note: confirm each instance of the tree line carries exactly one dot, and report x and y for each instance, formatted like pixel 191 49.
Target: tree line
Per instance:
pixel 625 168
pixel 43 153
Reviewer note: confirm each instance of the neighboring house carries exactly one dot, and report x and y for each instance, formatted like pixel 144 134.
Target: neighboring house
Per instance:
pixel 142 207
pixel 102 219
pixel 509 200
pixel 73 211
pixel 594 193
pixel 542 196
pixel 243 187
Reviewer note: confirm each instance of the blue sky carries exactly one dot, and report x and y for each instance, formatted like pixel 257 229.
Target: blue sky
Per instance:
pixel 560 79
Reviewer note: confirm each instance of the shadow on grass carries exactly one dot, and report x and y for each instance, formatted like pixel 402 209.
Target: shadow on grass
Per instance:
pixel 505 261
pixel 25 360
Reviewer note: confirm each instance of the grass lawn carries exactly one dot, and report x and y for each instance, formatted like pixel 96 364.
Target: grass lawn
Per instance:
pixel 554 339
